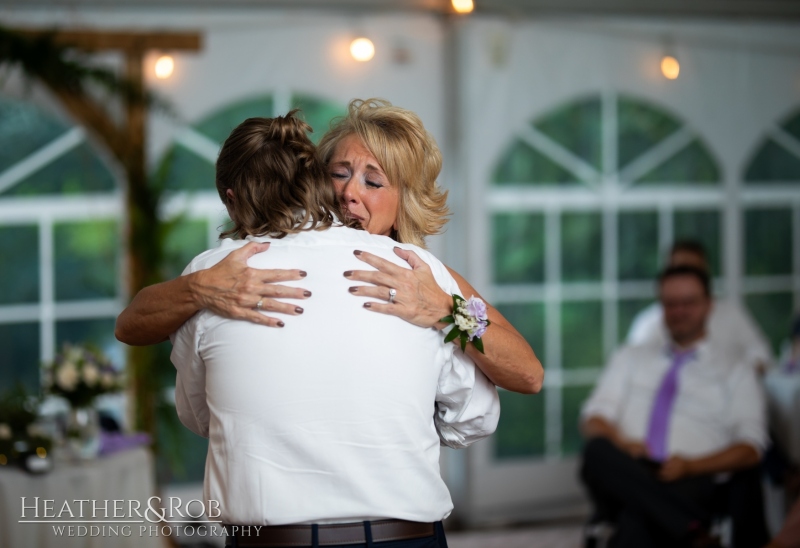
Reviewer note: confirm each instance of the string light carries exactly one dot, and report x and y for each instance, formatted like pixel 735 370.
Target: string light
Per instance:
pixel 362 49
pixel 165 65
pixel 670 67
pixel 463 6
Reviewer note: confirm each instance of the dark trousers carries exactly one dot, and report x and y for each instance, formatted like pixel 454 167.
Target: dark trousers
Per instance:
pixel 649 512
pixel 645 511
pixel 438 540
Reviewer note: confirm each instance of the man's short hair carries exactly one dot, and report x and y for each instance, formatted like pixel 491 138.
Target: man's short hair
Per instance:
pixel 686 270
pixel 278 183
pixel 689 246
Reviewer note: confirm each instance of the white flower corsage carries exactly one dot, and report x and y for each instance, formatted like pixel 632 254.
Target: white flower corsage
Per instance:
pixel 470 321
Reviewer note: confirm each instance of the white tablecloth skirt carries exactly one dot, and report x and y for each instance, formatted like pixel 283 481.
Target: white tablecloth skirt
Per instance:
pixel 125 476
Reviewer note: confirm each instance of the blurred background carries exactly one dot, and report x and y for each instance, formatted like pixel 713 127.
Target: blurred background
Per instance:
pixel 580 139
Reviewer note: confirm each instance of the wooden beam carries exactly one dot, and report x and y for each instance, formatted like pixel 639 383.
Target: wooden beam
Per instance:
pixel 93 40
pixel 88 113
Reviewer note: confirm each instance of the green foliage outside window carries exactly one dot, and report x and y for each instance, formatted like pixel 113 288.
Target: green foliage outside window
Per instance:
pixel 26 130
pixel 20 355
pixel 768 241
pixel 518 244
pixel 576 127
pixel 638 245
pixel 581 247
pixel 86 260
pixel 521 434
pixel 641 126
pixel 773 162
pixel 19 255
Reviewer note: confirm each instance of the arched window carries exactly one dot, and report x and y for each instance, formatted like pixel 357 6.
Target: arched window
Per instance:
pixel 770 224
pixel 583 201
pixel 59 242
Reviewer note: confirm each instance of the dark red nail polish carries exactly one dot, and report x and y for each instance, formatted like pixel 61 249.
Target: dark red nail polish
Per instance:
pixel 353 289
pixel 298 310
pixel 306 293
pixel 367 305
pixel 303 273
pixel 281 324
pixel 356 252
pixel 348 273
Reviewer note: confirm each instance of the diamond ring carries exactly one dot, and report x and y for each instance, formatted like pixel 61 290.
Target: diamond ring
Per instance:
pixel 392 294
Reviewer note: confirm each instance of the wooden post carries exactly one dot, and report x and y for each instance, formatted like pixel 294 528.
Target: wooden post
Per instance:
pixel 128 145
pixel 142 236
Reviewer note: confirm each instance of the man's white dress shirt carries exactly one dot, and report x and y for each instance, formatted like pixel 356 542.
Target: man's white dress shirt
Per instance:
pixel 717 403
pixel 338 416
pixel 729 327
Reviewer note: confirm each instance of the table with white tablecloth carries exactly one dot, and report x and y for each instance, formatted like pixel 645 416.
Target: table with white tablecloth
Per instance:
pixel 125 476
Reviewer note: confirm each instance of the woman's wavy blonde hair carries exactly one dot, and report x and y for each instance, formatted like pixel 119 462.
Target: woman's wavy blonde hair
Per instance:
pixel 279 184
pixel 409 156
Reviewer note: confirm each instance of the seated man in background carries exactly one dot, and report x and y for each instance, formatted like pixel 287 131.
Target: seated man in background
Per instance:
pixel 665 420
pixel 730 326
pixel 325 432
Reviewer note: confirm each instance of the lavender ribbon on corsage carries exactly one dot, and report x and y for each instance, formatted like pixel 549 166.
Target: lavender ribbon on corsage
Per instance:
pixel 469 319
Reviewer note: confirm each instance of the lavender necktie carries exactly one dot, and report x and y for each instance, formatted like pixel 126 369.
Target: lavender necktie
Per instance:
pixel 662 407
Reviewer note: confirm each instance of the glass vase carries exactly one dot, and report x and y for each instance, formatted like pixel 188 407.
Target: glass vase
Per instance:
pixel 83 433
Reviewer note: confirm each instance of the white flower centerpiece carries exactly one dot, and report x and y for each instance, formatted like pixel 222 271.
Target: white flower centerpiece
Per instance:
pixel 80 374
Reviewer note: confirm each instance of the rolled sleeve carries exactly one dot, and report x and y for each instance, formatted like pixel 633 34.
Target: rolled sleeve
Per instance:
pixel 609 393
pixel 467 404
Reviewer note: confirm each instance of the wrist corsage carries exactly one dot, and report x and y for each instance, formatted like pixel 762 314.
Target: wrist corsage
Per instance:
pixel 470 321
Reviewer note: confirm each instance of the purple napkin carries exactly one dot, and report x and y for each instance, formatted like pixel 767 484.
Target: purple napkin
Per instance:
pixel 112 442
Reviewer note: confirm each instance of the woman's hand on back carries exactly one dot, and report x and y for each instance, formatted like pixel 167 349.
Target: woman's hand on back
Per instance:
pixel 233 290
pixel 419 299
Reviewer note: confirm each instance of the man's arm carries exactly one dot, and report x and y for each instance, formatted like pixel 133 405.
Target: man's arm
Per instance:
pixel 596 426
pixel 735 457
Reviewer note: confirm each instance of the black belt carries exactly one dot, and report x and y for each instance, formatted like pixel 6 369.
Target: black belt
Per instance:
pixel 335 534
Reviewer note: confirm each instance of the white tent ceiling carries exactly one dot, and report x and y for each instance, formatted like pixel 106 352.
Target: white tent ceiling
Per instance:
pixel 769 9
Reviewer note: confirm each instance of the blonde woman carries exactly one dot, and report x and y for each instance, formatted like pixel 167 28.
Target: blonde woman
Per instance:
pixel 384 166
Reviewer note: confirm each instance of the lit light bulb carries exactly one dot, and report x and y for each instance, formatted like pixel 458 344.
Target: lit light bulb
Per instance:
pixel 362 49
pixel 463 6
pixel 670 67
pixel 164 67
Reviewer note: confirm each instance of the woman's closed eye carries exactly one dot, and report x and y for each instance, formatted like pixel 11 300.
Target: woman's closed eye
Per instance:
pixel 373 184
pixel 340 175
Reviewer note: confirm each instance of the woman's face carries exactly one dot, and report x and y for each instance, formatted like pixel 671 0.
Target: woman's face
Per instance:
pixel 363 187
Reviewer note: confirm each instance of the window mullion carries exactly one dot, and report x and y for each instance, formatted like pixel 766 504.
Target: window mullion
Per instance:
pixel 46 289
